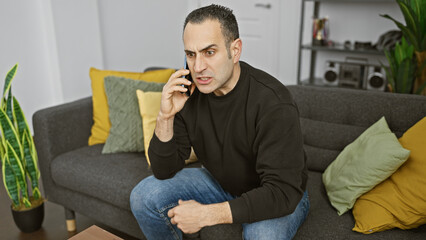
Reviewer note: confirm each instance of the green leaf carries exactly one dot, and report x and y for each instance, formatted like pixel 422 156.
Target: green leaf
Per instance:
pixel 405 31
pixel 410 52
pixel 401 78
pixel 8 81
pixel 21 121
pixel 2 151
pixel 22 125
pixel 409 17
pixel 30 154
pixel 9 110
pixel 18 170
pixel 404 44
pixel 405 77
pixel 415 5
pixel 399 53
pixel 9 133
pixel 417 9
pixel 30 165
pixel 10 182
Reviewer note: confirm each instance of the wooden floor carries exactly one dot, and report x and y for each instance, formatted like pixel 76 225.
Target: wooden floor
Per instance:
pixel 53 227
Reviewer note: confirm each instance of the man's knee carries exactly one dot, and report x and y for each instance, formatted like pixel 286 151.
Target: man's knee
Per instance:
pixel 279 228
pixel 144 194
pixel 264 231
pixel 260 231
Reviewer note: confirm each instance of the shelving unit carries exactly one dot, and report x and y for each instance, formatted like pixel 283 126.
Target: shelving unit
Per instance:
pixel 312 80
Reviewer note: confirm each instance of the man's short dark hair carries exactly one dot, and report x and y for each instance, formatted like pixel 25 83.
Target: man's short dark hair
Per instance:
pixel 227 20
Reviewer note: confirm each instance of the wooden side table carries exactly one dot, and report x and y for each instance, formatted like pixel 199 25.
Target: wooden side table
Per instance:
pixel 95 233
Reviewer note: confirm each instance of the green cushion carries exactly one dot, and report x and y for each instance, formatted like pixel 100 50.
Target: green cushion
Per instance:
pixel 363 164
pixel 126 134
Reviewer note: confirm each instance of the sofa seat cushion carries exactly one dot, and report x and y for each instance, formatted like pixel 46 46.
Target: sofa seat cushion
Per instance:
pixel 324 223
pixel 108 177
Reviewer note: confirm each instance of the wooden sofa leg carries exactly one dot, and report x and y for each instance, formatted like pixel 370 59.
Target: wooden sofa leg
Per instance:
pixel 70 218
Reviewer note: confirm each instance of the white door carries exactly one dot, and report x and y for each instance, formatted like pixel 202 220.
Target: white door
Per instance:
pixel 258 22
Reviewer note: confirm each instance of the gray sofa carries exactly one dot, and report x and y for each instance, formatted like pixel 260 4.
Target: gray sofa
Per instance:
pixel 81 179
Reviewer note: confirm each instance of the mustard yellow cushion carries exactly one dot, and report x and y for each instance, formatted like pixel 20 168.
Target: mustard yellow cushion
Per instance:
pixel 374 156
pixel 400 200
pixel 101 125
pixel 149 107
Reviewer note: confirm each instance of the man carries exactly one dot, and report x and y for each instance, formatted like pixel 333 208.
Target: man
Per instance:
pixel 244 128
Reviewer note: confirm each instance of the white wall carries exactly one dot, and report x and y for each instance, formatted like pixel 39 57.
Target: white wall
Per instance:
pixel 57 41
pixel 79 45
pixel 24 40
pixel 138 34
pixel 289 40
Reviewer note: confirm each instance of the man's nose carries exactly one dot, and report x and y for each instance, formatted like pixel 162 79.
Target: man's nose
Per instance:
pixel 200 64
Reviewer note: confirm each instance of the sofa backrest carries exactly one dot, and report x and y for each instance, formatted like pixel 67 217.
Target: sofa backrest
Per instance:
pixel 331 118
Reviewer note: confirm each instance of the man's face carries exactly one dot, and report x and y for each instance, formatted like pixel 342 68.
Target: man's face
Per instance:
pixel 208 58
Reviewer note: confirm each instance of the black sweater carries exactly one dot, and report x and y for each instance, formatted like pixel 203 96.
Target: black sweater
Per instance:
pixel 250 141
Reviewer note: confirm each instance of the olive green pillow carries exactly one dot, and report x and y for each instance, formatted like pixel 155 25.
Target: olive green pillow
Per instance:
pixel 126 134
pixel 363 164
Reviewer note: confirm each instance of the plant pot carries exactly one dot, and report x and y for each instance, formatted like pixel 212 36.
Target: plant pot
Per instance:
pixel 29 220
pixel 421 57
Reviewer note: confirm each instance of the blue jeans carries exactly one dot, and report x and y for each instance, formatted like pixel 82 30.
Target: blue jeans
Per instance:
pixel 151 199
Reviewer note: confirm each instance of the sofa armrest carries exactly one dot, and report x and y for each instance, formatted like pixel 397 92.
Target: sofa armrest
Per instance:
pixel 60 129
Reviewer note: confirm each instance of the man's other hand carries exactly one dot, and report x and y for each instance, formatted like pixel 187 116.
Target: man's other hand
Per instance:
pixel 189 216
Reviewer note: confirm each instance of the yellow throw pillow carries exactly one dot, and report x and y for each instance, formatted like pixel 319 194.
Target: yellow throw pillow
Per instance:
pixel 400 200
pixel 149 107
pixel 101 123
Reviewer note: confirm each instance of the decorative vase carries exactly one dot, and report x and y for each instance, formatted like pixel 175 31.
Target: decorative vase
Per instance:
pixel 421 57
pixel 29 220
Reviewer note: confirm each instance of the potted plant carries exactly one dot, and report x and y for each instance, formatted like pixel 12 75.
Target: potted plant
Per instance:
pixel 414 12
pixel 19 162
pixel 402 67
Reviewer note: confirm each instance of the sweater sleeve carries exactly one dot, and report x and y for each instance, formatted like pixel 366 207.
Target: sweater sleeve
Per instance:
pixel 280 165
pixel 168 158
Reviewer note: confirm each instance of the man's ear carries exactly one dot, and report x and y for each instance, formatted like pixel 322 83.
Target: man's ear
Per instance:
pixel 236 48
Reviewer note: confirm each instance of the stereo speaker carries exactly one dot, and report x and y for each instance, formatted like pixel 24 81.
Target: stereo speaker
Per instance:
pixel 331 74
pixel 376 79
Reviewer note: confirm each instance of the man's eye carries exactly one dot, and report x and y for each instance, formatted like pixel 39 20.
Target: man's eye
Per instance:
pixel 209 53
pixel 190 55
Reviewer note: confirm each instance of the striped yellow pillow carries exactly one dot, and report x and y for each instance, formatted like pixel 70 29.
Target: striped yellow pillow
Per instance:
pixel 149 107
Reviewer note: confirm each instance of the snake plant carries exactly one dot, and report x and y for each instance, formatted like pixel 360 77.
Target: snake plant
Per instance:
pixel 18 153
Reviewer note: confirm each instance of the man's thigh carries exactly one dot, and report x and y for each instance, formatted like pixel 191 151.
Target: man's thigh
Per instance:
pixel 188 184
pixel 278 228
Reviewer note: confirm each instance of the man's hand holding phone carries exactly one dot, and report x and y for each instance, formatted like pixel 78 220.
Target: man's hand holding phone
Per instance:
pixel 174 96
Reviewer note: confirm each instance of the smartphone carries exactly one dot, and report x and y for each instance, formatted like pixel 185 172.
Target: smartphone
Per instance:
pixel 189 77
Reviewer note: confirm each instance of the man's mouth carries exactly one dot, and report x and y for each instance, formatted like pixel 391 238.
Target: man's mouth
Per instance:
pixel 204 80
